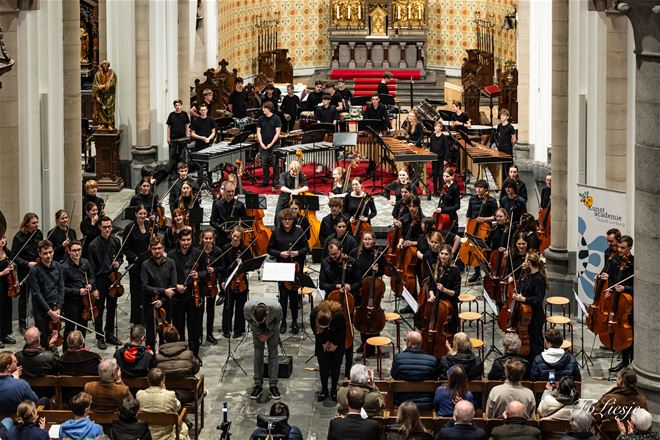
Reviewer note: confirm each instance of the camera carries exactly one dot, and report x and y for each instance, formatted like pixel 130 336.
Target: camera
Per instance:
pixel 276 427
pixel 225 426
pixel 551 377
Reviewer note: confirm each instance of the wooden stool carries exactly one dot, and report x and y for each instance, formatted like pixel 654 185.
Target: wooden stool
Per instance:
pixel 479 345
pixel 378 342
pixel 567 345
pixel 560 301
pixel 564 321
pixel 469 299
pixel 472 317
pixel 396 319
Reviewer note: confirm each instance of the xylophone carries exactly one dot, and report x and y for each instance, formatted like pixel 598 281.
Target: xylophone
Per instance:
pixel 477 156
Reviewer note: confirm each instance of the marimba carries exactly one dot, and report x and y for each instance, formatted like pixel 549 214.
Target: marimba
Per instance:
pixel 475 156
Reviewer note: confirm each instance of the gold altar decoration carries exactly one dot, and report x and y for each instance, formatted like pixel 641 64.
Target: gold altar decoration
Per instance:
pixel 378 16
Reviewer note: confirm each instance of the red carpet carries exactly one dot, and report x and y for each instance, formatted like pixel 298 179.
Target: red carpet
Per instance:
pixel 374 73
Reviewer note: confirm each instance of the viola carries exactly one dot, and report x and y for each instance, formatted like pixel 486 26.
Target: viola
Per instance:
pixel 543 229
pixel 162 219
pixel 13 286
pixel 369 316
pixel 433 318
pixel 116 289
pixel 515 316
pixel 161 319
pixel 58 327
pixel 347 304
pixel 90 311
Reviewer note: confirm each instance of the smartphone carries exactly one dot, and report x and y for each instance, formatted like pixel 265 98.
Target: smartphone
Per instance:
pixel 551 376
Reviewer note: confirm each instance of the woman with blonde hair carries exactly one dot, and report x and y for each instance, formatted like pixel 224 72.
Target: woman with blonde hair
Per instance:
pixel 337 187
pixel 460 353
pixel 329 328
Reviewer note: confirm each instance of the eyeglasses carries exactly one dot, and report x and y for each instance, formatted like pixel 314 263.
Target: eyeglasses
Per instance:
pixel 287 219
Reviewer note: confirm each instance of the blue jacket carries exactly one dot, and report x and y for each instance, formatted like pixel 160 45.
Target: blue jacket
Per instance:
pixel 81 429
pixel 556 359
pixel 443 403
pixel 28 432
pixel 13 392
pixel 414 365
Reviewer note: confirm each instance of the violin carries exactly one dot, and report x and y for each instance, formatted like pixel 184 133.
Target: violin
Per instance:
pixel 442 220
pixel 406 262
pixel 59 328
pixel 13 286
pixel 433 318
pixel 161 319
pixel 116 289
pixel 515 316
pixel 619 333
pixel 90 311
pixel 211 289
pixel 369 316
pixel 347 304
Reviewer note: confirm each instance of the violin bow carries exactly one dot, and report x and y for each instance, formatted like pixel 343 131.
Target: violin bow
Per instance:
pixel 375 261
pixel 194 266
pixel 23 247
pixel 64 318
pixel 122 246
pixel 619 283
pixel 301 236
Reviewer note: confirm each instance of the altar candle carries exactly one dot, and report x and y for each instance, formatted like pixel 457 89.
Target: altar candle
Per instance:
pixel 409 11
pixel 359 12
pixel 349 11
pixel 338 17
pixel 398 12
pixel 419 12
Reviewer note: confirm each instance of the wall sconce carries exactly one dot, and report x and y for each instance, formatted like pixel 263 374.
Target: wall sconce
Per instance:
pixel 510 20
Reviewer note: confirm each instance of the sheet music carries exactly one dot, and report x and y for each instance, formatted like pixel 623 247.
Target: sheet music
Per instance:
pixel 54 431
pixel 580 303
pixel 490 303
pixel 412 302
pixel 231 277
pixel 279 272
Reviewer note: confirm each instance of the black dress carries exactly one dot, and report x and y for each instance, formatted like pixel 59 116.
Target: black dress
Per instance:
pixel 532 288
pixel 450 202
pixel 136 249
pixel 354 206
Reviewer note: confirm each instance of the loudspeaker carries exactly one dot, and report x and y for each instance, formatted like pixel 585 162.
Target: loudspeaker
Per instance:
pixel 285 367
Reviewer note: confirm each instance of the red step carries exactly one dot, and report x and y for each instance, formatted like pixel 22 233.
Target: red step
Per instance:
pixel 371 80
pixel 365 73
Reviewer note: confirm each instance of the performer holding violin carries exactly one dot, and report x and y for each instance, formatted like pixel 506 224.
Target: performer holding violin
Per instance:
pixel 158 275
pixel 329 327
pixel 80 294
pixel 24 249
pixel 105 254
pixel 329 222
pixel 288 245
pixel 175 191
pixel 292 183
pixel 8 284
pixel 237 291
pixel 46 282
pixel 301 221
pixel 136 249
pixel 188 200
pixel 448 204
pixel 401 205
pixel 439 144
pixel 411 224
pixel 186 303
pixel 527 226
pixel 179 223
pixel 512 202
pixel 61 235
pixel 360 208
pixel 212 256
pixel 346 240
pixel 481 209
pixel 224 209
pixel 397 185
pixel 516 254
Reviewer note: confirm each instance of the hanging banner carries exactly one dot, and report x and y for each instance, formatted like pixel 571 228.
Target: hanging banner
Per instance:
pixel 598 210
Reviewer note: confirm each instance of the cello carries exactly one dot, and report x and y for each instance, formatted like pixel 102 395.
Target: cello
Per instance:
pixel 618 306
pixel 442 220
pixel 543 229
pixel 433 317
pixel 369 316
pixel 314 223
pixel 406 263
pixel 347 304
pixel 495 284
pixel 481 230
pixel 259 232
pixel 359 227
pixel 515 316
pixel 597 316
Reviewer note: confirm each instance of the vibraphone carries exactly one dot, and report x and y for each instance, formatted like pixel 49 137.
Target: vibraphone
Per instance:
pixel 321 153
pixel 477 156
pixel 214 156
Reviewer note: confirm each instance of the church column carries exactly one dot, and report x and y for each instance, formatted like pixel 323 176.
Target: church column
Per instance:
pixel 522 62
pixel 184 52
pixel 557 254
pixel 103 32
pixel 72 129
pixel 645 19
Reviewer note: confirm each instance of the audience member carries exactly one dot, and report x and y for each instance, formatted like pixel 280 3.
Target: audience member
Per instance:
pixel 362 379
pixel 28 426
pixel 454 391
pixel 515 424
pixel 291 432
pixel 511 390
pixel 156 399
pixel 134 359
pixel 511 344
pixel 461 354
pixel 414 365
pixel 352 426
pixel 36 360
pixel 128 427
pixel 638 427
pixel 620 399
pixel 78 360
pixel 108 392
pixel 461 426
pixel 13 389
pixel 177 360
pixel 80 427
pixel 580 422
pixel 408 424
pixel 557 401
pixel 555 358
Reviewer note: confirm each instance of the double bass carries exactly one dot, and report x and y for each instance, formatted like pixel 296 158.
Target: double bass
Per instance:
pixel 433 318
pixel 515 316
pixel 359 227
pixel 347 304
pixel 618 305
pixel 468 250
pixel 259 232
pixel 369 315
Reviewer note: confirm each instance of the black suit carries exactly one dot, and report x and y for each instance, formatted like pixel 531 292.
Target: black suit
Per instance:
pixel 353 426
pixel 453 431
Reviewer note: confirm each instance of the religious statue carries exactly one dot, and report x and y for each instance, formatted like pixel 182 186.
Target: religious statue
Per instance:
pixel 84 46
pixel 104 88
pixel 5 60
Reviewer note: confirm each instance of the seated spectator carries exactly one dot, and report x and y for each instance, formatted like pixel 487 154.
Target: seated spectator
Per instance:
pixel 414 365
pixel 134 359
pixel 622 396
pixel 558 399
pixel 455 391
pixel 501 395
pixel 128 427
pixel 461 354
pixel 352 426
pixel 461 427
pixel 408 424
pixel 156 399
pixel 515 425
pixel 362 378
pixel 580 422
pixel 555 358
pixel 78 360
pixel 638 427
pixel 36 360
pixel 177 360
pixel 28 426
pixel 291 432
pixel 13 389
pixel 511 344
pixel 109 391
pixel 80 427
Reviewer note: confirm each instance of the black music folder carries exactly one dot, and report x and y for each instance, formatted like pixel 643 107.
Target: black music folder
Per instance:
pixel 310 203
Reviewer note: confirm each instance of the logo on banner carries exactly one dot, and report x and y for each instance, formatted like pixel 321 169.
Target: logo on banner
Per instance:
pixel 600 213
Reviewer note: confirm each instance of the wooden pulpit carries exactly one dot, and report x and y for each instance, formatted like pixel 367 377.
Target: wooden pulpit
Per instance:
pixel 107 160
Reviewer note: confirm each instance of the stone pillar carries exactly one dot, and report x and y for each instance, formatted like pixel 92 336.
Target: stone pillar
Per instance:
pixel 557 254
pixel 370 63
pixel 616 90
pixel 72 129
pixel 402 62
pixel 645 19
pixel 103 32
pixel 386 55
pixel 522 147
pixel 335 55
pixel 351 61
pixel 184 52
pixel 142 72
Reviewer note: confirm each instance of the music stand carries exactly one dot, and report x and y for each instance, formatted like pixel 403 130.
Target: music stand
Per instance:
pixel 305 281
pixel 493 307
pixel 254 201
pixel 244 223
pixel 313 136
pixel 240 138
pixel 342 140
pixel 397 298
pixel 308 203
pixel 586 359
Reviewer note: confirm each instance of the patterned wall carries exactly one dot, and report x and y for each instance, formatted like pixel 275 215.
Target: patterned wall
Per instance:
pixel 304 25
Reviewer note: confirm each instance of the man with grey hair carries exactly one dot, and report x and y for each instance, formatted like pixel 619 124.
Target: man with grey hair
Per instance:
pixel 511 344
pixel 108 392
pixel 515 424
pixel 36 360
pixel 580 422
pixel 461 427
pixel 362 378
pixel 414 365
pixel 638 427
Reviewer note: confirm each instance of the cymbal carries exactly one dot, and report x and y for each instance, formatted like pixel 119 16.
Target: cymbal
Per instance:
pixel 3 225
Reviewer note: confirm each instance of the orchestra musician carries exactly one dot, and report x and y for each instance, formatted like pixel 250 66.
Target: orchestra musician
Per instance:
pixel 481 207
pixel 521 188
pixel 288 187
pixel 91 189
pixel 61 235
pixel 428 227
pixel 450 199
pixel 291 108
pixel 302 222
pixel 178 127
pixel 207 100
pixel 338 177
pixel 329 327
pixel 6 267
pixel 269 95
pixel 414 129
pixel 79 283
pixel 90 227
pixel 397 186
pixel 511 201
pixel 211 256
pixel 237 103
pixel 203 129
pixel 506 137
pixel 269 127
pixel 146 196
pixel 518 249
pixel 158 276
pixel 335 97
pixel 189 268
pixel 438 264
pixel 106 257
pixel 527 225
pixel 358 204
pixel 179 223
pixel 175 192
pixel 326 113
pixel 346 95
pixel 498 236
pixel 329 222
pixel 460 120
pixel 346 240
pixel 439 144
pixel 24 249
pixel 46 282
pixel 224 209
pixel 546 192
pixel 137 237
pixel 621 268
pixel 382 85
pixel 330 279
pixel 189 200
pixel 237 292
pixel 411 224
pixel 315 97
pixel 287 245
pixel 401 205
pixel 378 112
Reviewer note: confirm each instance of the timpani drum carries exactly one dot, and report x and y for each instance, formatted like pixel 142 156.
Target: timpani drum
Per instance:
pixel 306 120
